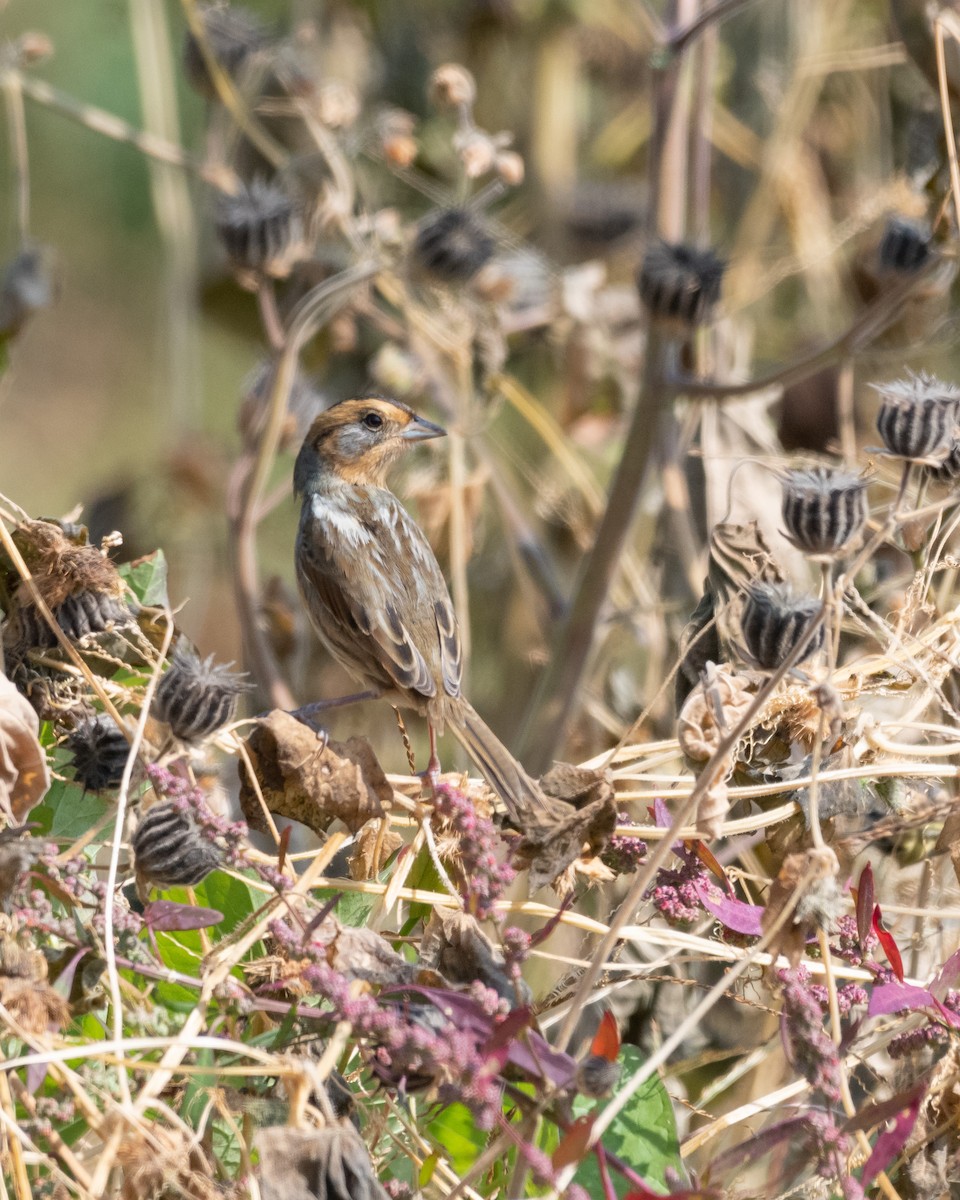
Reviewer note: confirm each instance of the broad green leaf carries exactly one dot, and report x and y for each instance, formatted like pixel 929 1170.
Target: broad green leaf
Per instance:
pixel 147 579
pixel 644 1134
pixel 454 1130
pixel 67 811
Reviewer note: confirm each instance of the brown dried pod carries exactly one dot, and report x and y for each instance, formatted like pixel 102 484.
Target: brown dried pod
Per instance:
pixel 261 228
pixel 452 86
pixel 947 471
pixel 170 850
pixel 452 245
pixel 774 620
pixel 316 1164
pixel 906 245
pixel 100 751
pixel 823 509
pixel 918 416
pixel 24 775
pixel 714 706
pixel 680 283
pixel 196 697
pixel 232 36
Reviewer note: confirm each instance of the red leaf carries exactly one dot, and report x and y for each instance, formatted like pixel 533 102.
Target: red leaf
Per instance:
pixel 706 856
pixel 606 1041
pixel 891 1142
pixel 864 896
pixel 574 1143
pixel 889 945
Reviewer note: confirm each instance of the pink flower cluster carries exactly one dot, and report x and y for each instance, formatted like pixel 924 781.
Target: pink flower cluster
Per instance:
pixel 484 878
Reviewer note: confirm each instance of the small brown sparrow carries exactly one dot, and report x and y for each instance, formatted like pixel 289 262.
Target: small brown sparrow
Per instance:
pixel 373 587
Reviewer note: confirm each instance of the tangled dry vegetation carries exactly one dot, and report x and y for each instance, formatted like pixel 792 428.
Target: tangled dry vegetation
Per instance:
pixel 723 960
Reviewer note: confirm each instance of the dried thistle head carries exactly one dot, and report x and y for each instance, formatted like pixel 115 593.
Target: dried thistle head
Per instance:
pixel 452 87
pixel 332 1162
pixel 906 245
pixel 948 470
pixel 680 283
pixel 196 697
pixel 170 850
pixel 261 228
pixel 918 416
pixel 823 510
pixel 774 620
pixel 232 36
pixel 452 246
pixel 100 751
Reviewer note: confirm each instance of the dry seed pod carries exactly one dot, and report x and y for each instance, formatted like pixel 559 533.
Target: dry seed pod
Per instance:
pixel 452 245
pixel 261 228
pixel 905 247
pixel 100 751
pixel 823 510
pixel 774 620
pixel 196 698
pixel 680 283
pixel 948 471
pixel 452 86
pixel 918 415
pixel 169 849
pixel 232 35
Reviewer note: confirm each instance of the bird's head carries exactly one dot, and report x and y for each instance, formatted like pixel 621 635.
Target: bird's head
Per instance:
pixel 358 441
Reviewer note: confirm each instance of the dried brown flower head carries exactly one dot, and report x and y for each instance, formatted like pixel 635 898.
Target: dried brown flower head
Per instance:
pixel 261 228
pixel 170 850
pixel 774 620
pixel 906 245
pixel 232 35
pixel 100 751
pixel 307 1164
pixel 452 86
pixel 452 246
pixel 197 697
pixel 823 510
pixel 680 283
pixel 918 416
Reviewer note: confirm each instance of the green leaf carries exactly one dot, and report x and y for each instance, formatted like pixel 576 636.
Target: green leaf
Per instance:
pixel 454 1130
pixel 644 1134
pixel 67 811
pixel 147 579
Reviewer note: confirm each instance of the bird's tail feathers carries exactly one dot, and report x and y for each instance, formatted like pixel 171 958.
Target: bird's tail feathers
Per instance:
pixel 497 765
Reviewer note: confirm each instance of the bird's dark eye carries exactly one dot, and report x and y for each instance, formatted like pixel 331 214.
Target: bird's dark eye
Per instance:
pixel 373 420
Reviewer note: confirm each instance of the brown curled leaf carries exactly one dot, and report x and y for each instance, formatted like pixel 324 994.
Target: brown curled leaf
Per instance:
pixel 807 881
pixel 309 780
pixel 373 847
pixel 34 1005
pixel 24 776
pixel 578 786
pixel 561 834
pixel 316 1164
pixel 360 953
pixel 455 945
pixel 712 709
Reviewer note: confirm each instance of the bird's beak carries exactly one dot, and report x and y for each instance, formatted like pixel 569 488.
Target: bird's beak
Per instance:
pixel 419 430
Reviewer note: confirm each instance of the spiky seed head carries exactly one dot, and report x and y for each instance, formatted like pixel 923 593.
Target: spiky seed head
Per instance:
pixel 823 509
pixel 232 34
pixel 170 851
pixel 261 227
pixel 947 471
pixel 918 415
pixel 100 751
pixel 906 245
pixel 452 246
pixel 196 697
pixel 774 620
pixel 597 1076
pixel 680 283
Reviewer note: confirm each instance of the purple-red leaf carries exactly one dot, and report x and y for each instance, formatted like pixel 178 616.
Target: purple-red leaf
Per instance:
pixel 891 1142
pixel 166 916
pixel 894 997
pixel 734 914
pixel 865 897
pixel 573 1143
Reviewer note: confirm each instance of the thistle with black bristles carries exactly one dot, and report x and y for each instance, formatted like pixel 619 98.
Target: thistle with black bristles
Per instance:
pixel 452 246
pixel 232 36
pixel 680 283
pixel 196 697
pixel 918 417
pixel 905 247
pixel 170 850
pixel 100 751
pixel 823 510
pixel 774 620
pixel 261 228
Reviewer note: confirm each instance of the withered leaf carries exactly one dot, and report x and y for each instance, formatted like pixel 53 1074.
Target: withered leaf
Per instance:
pixel 455 945
pixel 801 878
pixel 556 837
pixel 362 953
pixel 316 1164
pixel 373 847
pixel 24 776
pixel 310 781
pixel 578 786
pixel 33 1004
pixel 711 710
